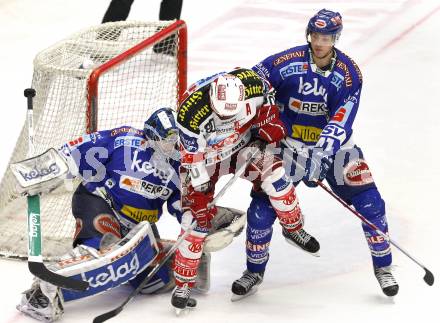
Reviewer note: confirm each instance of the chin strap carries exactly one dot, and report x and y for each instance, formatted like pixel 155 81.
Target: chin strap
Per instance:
pixel 324 72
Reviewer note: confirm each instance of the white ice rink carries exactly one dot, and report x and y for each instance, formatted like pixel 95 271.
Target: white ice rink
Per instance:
pixel 396 44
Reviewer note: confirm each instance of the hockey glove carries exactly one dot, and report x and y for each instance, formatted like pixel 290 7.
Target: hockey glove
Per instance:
pixel 317 166
pixel 40 174
pixel 198 204
pixel 268 125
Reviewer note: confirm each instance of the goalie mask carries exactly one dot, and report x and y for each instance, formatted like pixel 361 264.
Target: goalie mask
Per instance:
pixel 227 95
pixel 162 133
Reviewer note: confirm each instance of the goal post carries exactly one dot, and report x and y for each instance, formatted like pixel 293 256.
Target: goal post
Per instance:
pixel 114 74
pixel 181 56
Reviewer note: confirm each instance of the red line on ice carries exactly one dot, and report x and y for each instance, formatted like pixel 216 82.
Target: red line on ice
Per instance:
pixel 399 37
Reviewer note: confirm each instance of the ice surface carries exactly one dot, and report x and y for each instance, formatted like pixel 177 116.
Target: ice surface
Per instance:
pixel 397 126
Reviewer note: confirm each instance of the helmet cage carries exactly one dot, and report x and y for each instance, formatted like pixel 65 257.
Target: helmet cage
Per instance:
pixel 167 146
pixel 162 133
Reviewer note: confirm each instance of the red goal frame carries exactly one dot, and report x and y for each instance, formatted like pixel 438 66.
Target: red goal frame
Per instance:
pixel 179 28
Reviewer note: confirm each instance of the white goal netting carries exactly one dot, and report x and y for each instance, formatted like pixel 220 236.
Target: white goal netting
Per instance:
pixel 100 78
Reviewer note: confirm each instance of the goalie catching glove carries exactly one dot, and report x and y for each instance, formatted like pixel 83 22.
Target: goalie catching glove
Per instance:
pixel 227 225
pixel 40 174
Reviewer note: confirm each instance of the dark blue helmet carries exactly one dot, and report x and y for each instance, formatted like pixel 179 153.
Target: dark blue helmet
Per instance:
pixel 162 133
pixel 325 22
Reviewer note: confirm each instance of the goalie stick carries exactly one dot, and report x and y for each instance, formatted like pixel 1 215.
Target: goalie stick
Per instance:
pixel 35 258
pixel 428 278
pixel 108 315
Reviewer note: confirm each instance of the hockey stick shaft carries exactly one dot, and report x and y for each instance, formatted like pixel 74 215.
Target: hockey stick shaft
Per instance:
pixel 238 173
pixel 34 220
pixel 428 278
pixel 35 258
pixel 110 314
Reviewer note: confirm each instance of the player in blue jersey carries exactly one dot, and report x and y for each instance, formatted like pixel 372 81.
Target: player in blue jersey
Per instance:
pixel 318 90
pixel 127 177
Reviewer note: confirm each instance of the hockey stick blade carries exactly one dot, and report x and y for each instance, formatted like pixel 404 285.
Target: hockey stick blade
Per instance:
pixel 429 277
pixel 39 270
pixel 112 313
pixel 106 316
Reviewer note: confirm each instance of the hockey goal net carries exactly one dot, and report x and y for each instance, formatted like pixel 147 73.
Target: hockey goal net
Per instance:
pixel 103 77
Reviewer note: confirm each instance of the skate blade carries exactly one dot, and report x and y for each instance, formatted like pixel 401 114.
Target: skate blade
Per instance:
pixel 182 311
pixel 192 303
pixel 33 314
pixel 235 297
pixel 179 311
pixel 315 254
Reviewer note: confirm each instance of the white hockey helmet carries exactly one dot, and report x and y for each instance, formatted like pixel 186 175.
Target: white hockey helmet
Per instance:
pixel 227 95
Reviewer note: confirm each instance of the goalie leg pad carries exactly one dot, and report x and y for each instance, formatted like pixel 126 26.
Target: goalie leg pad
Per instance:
pixel 159 283
pixel 110 267
pixel 371 205
pixel 94 218
pixel 162 281
pixel 203 279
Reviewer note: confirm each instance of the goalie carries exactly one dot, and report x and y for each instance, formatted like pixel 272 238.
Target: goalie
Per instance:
pixel 127 176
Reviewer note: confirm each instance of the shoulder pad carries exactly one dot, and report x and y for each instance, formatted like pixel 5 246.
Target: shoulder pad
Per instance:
pixel 254 85
pixel 292 54
pixel 349 68
pixel 126 130
pixel 194 110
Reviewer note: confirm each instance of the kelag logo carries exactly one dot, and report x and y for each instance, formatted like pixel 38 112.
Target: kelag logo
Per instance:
pixel 33 224
pixel 42 172
pixel 315 89
pixel 140 165
pixel 113 274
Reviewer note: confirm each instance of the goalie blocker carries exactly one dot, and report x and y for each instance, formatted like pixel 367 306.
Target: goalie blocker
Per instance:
pixel 40 174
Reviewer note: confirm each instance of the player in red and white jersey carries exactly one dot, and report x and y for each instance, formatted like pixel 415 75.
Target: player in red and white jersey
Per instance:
pixel 222 120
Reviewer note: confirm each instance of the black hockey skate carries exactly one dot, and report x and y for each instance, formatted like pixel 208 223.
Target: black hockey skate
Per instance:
pixel 181 299
pixel 303 240
pixel 246 285
pixel 386 281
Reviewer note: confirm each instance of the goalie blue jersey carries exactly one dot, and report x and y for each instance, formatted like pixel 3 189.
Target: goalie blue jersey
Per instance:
pixel 318 107
pixel 120 166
